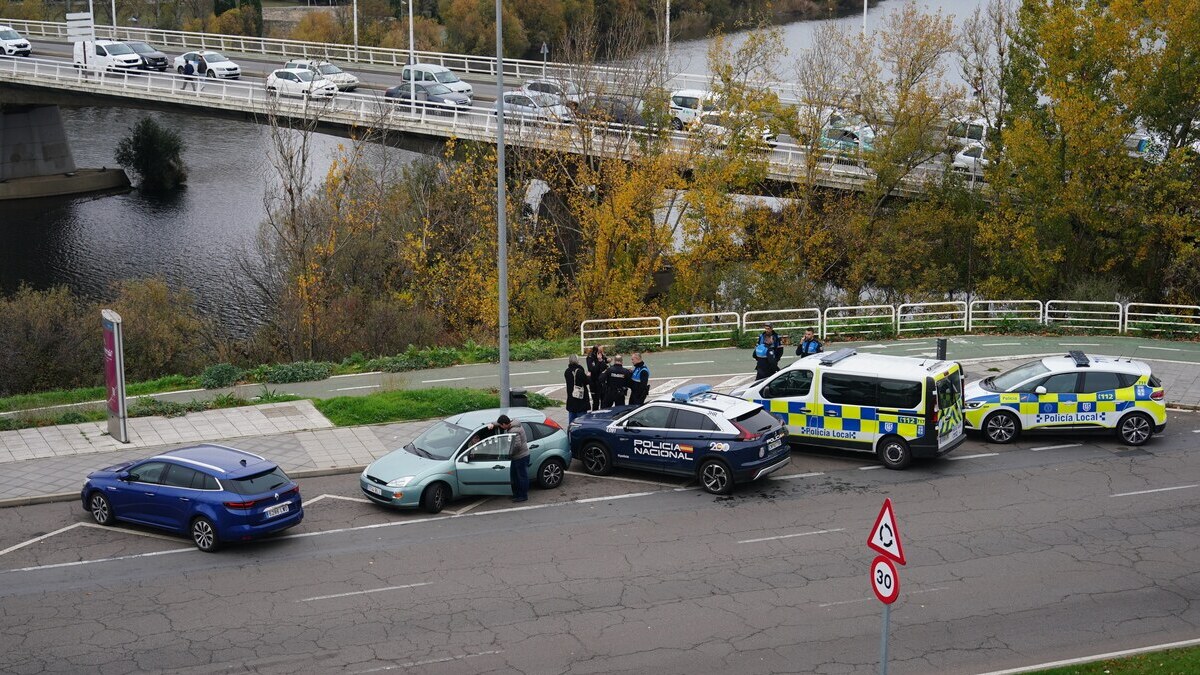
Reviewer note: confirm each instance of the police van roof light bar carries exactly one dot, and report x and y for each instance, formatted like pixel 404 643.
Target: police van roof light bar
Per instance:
pixel 1081 359
pixel 839 355
pixel 686 393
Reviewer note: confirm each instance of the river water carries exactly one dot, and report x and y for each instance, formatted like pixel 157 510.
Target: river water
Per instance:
pixel 194 238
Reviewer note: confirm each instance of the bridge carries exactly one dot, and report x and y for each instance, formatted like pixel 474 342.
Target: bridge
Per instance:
pixel 59 82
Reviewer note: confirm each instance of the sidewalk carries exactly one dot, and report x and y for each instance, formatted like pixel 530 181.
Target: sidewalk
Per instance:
pixel 50 463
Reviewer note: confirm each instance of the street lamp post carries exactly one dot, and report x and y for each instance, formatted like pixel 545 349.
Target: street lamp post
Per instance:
pixel 501 221
pixel 354 10
pixel 667 35
pixel 864 18
pixel 114 18
pixel 412 61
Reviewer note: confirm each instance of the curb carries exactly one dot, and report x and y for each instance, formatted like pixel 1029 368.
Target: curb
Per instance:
pixel 74 496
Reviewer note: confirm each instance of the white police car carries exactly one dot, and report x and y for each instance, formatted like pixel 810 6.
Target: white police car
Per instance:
pixel 719 439
pixel 1075 392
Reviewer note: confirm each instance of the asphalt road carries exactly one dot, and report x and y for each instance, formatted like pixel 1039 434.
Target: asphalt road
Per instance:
pixel 1047 549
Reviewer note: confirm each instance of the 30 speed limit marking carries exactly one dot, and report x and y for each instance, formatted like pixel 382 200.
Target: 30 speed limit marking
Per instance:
pixel 884 580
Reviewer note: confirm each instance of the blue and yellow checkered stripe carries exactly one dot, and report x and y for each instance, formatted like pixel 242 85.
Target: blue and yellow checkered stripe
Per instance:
pixel 1111 401
pixel 868 420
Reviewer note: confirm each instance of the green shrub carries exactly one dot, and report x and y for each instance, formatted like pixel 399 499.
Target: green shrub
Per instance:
pixel 70 418
pixel 533 350
pixel 630 345
pixel 7 423
pixel 257 373
pixel 299 371
pixel 152 407
pixel 220 375
pixel 155 154
pixel 474 352
pixel 229 400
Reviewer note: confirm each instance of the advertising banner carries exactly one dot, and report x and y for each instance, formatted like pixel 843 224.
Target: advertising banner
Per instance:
pixel 114 374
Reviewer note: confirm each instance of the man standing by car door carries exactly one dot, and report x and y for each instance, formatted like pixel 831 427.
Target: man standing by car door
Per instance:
pixel 518 468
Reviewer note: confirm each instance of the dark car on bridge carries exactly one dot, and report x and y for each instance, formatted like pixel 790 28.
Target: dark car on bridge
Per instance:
pixel 213 493
pixel 432 95
pixel 152 59
pixel 719 439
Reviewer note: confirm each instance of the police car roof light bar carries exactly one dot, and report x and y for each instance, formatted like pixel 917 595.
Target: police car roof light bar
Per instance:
pixel 687 392
pixel 1081 359
pixel 839 355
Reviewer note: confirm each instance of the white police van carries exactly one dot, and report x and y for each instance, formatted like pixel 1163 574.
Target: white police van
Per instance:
pixel 897 407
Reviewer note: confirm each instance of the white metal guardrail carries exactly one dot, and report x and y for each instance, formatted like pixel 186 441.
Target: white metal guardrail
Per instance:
pixel 1086 314
pixel 997 313
pixel 786 322
pixel 956 316
pixel 859 320
pixel 710 327
pixel 1150 317
pixel 929 316
pixel 606 331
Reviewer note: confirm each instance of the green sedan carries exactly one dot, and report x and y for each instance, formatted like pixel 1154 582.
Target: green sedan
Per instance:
pixel 460 457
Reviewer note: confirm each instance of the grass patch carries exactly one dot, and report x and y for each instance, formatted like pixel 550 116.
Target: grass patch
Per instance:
pixel 404 405
pixel 86 394
pixel 1171 662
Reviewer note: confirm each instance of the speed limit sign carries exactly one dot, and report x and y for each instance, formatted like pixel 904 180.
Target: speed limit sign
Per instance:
pixel 884 580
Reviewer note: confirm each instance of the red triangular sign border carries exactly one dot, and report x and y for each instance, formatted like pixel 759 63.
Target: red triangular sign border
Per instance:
pixel 886 510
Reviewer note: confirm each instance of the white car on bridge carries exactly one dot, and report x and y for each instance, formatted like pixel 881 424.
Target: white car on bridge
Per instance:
pixel 299 82
pixel 218 65
pixel 12 44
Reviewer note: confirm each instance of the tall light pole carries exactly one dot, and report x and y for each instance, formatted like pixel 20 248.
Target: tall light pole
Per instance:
pixel 114 18
pixel 667 35
pixel 501 220
pixel 354 10
pixel 864 18
pixel 412 61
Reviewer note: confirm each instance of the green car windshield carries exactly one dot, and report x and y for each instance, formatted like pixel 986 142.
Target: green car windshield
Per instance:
pixel 439 441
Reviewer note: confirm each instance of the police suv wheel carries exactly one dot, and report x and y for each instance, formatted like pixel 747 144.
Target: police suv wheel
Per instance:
pixel 894 453
pixel 597 460
pixel 550 475
pixel 101 509
pixel 715 478
pixel 434 498
pixel 1001 427
pixel 1136 429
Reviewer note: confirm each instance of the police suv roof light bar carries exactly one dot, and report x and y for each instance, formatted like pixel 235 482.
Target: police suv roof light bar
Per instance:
pixel 1081 359
pixel 839 355
pixel 687 392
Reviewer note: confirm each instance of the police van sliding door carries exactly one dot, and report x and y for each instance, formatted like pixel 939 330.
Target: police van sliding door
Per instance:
pixel 789 398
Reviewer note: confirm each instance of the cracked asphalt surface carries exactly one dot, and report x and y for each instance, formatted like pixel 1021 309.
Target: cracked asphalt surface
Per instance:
pixel 1013 559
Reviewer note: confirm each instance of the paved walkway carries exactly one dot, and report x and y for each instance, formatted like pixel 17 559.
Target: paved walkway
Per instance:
pixel 49 463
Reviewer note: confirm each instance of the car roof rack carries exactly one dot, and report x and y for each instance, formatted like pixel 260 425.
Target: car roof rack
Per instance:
pixel 1081 359
pixel 838 356
pixel 688 392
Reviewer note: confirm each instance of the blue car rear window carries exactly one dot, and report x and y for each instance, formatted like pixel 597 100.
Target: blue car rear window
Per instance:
pixel 259 482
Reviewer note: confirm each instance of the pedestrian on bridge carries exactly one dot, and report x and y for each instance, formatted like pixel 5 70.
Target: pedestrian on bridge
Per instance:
pixel 201 69
pixel 189 76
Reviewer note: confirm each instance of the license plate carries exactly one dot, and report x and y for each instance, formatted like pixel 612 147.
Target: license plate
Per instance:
pixel 374 490
pixel 278 510
pixel 778 442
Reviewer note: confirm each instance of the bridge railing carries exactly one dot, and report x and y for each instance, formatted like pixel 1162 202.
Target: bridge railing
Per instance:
pixel 695 328
pixel 606 331
pixel 1085 314
pixel 1148 317
pixel 931 316
pixel 859 320
pixel 783 321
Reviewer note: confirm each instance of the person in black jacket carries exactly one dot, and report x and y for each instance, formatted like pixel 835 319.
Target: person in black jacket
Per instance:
pixel 597 363
pixel 616 382
pixel 577 389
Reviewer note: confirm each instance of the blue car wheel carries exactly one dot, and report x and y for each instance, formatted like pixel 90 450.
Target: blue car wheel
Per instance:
pixel 204 534
pixel 101 509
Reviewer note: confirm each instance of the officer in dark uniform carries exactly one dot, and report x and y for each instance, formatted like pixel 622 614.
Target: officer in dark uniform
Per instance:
pixel 616 382
pixel 639 384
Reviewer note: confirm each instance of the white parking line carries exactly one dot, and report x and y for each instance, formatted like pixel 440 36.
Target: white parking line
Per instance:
pixel 546 391
pixel 373 590
pixel 1079 344
pixel 427 662
pixel 871 467
pixel 471 507
pixel 789 536
pixel 100 560
pixel 1196 431
pixel 689 363
pixel 668 385
pixel 1146 492
pixel 1161 349
pixel 35 540
pixel 444 379
pixel 982 454
pixel 1056 447
pixel 798 475
pixel 1096 657
pixel 532 372
pixel 365 386
pixel 314 500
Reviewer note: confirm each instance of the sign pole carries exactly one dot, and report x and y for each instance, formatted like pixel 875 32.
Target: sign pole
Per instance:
pixel 883 640
pixel 114 374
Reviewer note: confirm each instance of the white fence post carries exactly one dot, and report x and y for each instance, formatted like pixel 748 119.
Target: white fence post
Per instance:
pixel 1149 317
pixel 783 320
pixel 611 330
pixel 923 316
pixel 686 328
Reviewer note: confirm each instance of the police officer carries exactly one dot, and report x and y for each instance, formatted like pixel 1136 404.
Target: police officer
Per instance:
pixel 615 381
pixel 810 344
pixel 639 381
pixel 597 362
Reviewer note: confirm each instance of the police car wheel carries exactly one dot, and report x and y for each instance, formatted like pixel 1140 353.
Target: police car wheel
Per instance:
pixel 894 453
pixel 434 498
pixel 1000 427
pixel 550 475
pixel 597 460
pixel 1135 429
pixel 715 478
